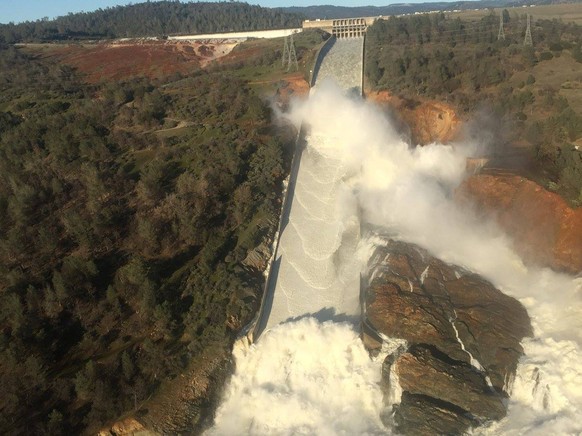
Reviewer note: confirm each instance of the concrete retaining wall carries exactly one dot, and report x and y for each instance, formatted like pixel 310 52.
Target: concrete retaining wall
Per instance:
pixel 252 331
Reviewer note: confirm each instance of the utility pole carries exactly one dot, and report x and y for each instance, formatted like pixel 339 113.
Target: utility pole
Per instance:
pixel 501 33
pixel 527 40
pixel 289 55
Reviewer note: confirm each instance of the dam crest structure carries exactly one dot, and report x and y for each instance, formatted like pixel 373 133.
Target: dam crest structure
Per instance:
pixel 342 28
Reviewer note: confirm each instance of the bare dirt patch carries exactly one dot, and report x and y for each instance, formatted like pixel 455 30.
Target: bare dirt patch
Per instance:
pixel 132 58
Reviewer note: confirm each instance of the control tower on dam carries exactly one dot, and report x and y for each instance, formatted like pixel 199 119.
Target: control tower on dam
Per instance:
pixel 313 272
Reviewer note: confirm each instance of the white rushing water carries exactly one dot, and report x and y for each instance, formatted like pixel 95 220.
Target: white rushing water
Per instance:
pixel 303 378
pixel 318 273
pixel 312 377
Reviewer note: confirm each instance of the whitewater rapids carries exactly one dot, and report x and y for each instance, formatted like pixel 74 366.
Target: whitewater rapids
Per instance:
pixel 306 376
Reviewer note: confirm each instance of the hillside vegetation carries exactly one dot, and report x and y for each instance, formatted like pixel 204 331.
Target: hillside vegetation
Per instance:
pixel 157 18
pixel 532 95
pixel 127 210
pixel 330 12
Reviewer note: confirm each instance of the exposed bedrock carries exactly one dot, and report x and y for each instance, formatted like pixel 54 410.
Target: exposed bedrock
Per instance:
pixel 427 121
pixel 463 339
pixel 422 415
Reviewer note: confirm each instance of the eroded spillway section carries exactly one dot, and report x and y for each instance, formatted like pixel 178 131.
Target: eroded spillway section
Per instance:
pixel 314 273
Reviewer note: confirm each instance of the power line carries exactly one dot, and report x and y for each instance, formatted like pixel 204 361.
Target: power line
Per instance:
pixel 292 54
pixel 470 28
pixel 467 32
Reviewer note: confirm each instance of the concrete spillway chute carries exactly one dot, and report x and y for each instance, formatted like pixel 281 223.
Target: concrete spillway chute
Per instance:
pixel 313 273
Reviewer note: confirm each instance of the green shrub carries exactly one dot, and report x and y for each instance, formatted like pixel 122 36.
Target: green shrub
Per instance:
pixel 546 56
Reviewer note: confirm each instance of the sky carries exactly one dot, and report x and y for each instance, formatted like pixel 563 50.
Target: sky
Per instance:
pixel 30 10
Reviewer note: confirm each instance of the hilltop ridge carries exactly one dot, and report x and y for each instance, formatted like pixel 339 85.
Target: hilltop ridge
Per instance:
pixel 158 18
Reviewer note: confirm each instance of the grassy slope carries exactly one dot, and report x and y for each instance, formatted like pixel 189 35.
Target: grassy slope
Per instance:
pixel 569 12
pixel 535 95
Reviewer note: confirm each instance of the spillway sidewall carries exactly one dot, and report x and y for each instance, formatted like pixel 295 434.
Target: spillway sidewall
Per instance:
pixel 253 330
pixel 259 323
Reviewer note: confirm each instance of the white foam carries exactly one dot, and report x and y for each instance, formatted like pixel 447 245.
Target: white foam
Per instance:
pixel 409 192
pixel 424 274
pixel 474 362
pixel 303 378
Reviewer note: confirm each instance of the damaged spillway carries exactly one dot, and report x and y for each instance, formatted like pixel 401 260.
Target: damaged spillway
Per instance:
pixel 447 338
pixel 313 273
pixel 302 375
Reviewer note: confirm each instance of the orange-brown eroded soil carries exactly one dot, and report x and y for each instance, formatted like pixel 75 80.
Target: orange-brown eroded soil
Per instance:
pixel 545 229
pixel 121 60
pixel 429 121
pixel 292 86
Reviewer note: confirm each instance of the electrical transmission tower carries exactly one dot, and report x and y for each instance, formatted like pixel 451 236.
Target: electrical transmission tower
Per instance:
pixel 501 33
pixel 527 40
pixel 289 56
pixel 285 52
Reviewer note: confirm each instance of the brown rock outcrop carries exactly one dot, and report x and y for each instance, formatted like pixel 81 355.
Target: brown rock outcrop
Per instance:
pixel 186 404
pixel 258 257
pixel 429 121
pixel 422 371
pixel 544 228
pixel 463 338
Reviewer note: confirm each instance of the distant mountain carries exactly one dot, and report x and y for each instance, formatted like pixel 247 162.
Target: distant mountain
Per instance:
pixel 154 18
pixel 330 12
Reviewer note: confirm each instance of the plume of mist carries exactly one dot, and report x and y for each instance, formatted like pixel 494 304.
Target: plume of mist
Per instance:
pixel 407 192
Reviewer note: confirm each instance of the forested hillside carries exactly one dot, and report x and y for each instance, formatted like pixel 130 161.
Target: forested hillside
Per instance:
pixel 156 18
pixel 532 93
pixel 126 212
pixel 331 12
